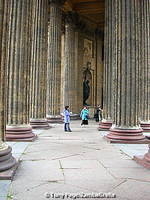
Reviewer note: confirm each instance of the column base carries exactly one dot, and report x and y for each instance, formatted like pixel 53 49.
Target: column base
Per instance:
pixel 105 126
pixel 7 162
pixel 145 127
pixel 39 124
pixel 143 160
pixel 126 136
pixel 22 134
pixel 55 119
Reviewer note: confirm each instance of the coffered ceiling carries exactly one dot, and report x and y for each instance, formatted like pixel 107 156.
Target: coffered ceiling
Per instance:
pixel 92 10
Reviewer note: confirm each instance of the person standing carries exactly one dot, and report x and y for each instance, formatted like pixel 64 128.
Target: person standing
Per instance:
pixel 66 114
pixel 84 116
pixel 98 114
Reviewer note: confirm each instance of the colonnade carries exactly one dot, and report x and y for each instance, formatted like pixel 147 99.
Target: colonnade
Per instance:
pixel 30 70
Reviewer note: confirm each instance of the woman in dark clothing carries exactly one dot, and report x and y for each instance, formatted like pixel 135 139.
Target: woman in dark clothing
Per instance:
pixel 98 114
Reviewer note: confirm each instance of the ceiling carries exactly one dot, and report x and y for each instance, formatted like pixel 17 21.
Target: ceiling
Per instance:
pixel 93 10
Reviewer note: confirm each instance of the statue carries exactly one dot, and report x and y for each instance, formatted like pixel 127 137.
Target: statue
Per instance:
pixel 87 76
pixel 86 91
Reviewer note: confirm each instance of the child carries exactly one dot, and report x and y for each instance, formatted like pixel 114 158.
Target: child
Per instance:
pixel 66 114
pixel 84 115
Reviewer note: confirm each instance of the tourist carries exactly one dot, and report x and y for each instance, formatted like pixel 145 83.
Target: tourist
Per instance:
pixel 98 114
pixel 84 116
pixel 66 114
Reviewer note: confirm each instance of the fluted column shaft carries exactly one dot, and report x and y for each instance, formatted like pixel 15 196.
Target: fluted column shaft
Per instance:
pixel 39 63
pixel 54 59
pixel 108 61
pixel 18 64
pixel 145 66
pixel 126 86
pixel 108 57
pixel 2 74
pixel 6 159
pixel 126 71
pixel 69 67
pixel 18 68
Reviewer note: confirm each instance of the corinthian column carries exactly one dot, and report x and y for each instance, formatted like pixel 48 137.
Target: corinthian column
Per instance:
pixel 6 159
pixel 126 127
pixel 108 61
pixel 54 61
pixel 18 65
pixel 39 64
pixel 145 66
pixel 70 92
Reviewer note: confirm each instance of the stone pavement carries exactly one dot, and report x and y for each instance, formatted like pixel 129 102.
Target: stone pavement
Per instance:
pixel 77 162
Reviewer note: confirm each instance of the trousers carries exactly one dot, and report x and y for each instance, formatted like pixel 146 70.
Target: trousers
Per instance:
pixel 67 127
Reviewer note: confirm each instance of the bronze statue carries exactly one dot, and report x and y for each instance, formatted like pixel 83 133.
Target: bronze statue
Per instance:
pixel 87 76
pixel 86 91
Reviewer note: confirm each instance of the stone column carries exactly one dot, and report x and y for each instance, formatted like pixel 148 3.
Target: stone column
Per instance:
pixel 54 61
pixel 6 159
pixel 70 91
pixel 62 71
pixel 99 71
pixel 145 66
pixel 39 64
pixel 126 127
pixel 144 51
pixel 108 60
pixel 18 65
pixel 76 77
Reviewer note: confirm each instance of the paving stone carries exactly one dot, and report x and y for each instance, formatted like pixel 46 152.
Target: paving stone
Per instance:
pixel 38 191
pixel 120 163
pixel 138 173
pixel 87 174
pixel 40 170
pixel 134 189
pixel 81 164
pixel 97 185
pixel 4 187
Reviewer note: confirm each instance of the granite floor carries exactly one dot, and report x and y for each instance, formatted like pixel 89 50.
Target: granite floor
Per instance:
pixel 80 162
